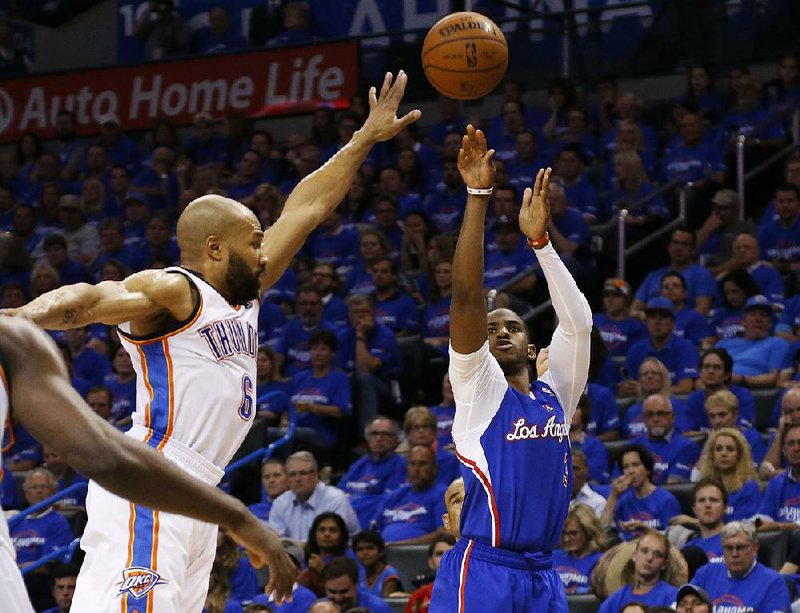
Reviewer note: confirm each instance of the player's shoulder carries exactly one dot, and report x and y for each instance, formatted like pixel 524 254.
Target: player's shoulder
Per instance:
pixel 159 283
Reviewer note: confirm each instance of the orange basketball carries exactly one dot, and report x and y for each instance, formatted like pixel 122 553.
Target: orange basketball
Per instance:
pixel 465 55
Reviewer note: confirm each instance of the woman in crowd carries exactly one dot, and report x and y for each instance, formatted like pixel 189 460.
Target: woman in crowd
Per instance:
pixel 734 289
pixel 726 457
pixel 583 542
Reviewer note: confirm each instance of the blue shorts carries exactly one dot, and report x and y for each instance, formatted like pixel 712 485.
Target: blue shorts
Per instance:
pixel 474 578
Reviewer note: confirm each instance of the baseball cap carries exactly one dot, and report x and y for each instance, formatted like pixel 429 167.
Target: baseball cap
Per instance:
pixel 659 304
pixel 70 201
pixel 618 286
pixel 759 301
pixel 688 588
pixel 136 197
pixel 726 198
pixel 506 223
pixel 202 117
pixel 294 550
pixel 108 118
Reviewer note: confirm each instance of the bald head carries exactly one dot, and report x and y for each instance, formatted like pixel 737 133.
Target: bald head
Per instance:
pixel 211 215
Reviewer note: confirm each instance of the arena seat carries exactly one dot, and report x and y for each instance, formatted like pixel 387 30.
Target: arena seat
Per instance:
pixel 624 403
pixel 614 449
pixel 582 603
pixel 409 561
pixel 684 492
pixel 765 403
pixel 773 547
pixel 412 355
pixel 396 603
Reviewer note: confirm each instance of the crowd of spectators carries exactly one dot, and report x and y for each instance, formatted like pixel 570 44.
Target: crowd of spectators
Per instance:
pixel 682 353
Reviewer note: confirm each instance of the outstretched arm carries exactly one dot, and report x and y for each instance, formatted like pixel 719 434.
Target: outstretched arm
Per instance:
pixel 320 193
pixel 39 384
pixel 569 348
pixel 144 295
pixel 468 304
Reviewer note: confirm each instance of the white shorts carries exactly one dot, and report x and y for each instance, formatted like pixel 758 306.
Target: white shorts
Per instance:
pixel 142 561
pixel 13 595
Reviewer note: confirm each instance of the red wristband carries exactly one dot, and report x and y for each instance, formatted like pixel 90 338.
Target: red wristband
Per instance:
pixel 539 242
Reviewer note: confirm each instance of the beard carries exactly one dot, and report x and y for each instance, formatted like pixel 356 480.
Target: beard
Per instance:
pixel 243 284
pixel 512 365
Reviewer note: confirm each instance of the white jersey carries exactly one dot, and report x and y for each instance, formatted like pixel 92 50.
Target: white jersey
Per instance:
pixel 195 386
pixel 13 596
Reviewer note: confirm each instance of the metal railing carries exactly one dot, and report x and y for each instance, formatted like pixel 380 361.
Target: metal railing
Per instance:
pixel 65 553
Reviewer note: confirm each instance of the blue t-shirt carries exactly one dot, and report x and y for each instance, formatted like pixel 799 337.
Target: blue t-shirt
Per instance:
pixel 673 457
pixel 444 424
pixel 744 502
pixel 654 510
pixel 780 243
pixel 755 357
pixel 596 457
pixel 91 365
pixel 398 313
pixel 368 482
pixel 35 537
pixel 678 355
pixel 605 413
pixel 769 281
pixel 271 320
pixel 381 344
pixel 338 249
pixel 619 335
pixel 293 344
pixel 446 209
pixel 24 446
pixel 575 573
pixel 8 489
pixel 699 283
pixel 762 589
pixel 781 500
pixel 244 582
pixel 500 267
pixel 376 588
pixel 408 514
pixel 789 321
pixel 712 546
pixel 692 326
pixel 697 418
pixel 332 388
pixel 692 163
pixel 302 599
pixel 572 226
pixel 583 197
pixel 727 322
pixel 436 320
pixel 661 595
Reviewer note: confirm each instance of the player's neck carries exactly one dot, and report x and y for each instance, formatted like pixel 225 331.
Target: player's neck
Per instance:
pixel 520 381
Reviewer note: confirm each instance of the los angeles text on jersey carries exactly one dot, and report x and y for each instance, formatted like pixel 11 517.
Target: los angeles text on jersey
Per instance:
pixel 229 337
pixel 523 431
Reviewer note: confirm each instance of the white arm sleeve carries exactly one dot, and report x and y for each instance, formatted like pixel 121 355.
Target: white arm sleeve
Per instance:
pixel 478 388
pixel 569 348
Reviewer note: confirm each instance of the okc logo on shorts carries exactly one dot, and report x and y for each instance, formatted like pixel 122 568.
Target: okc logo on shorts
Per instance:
pixel 137 581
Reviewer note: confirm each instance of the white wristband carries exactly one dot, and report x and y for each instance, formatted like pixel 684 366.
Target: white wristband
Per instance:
pixel 480 191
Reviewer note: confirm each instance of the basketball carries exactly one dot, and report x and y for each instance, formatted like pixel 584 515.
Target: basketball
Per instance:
pixel 465 55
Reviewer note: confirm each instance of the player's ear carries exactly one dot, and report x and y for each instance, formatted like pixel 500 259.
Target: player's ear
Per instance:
pixel 531 352
pixel 214 247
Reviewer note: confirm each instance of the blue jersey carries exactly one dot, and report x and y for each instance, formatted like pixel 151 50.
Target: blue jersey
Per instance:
pixel 333 388
pixel 399 313
pixel 444 424
pixel 368 482
pixel 762 589
pixel 575 573
pixel 727 322
pixel 712 546
pixel 744 502
pixel 654 510
pixel 409 514
pixel 661 595
pixel 755 357
pixel 501 267
pixel 293 344
pixel 692 326
pixel 781 500
pixel 780 243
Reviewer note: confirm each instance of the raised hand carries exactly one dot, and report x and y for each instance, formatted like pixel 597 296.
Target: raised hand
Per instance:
pixel 382 122
pixel 474 160
pixel 534 214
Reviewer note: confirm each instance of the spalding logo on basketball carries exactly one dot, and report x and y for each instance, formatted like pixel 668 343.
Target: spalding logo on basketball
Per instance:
pixel 464 55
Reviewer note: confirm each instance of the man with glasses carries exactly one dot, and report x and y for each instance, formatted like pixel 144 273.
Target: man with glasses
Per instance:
pixel 743 583
pixel 326 280
pixel 294 511
pixel 701 285
pixel 780 504
pixel 674 454
pixel 376 474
